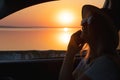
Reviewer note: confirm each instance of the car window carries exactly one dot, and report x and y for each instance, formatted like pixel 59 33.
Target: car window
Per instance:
pixel 42 28
pixel 46 26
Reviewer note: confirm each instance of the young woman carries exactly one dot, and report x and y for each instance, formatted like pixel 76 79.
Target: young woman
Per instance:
pixel 101 61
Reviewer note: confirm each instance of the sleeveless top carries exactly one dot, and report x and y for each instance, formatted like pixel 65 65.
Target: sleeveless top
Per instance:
pixel 102 68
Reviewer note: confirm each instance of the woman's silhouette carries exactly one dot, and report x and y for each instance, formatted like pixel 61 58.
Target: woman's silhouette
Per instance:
pixel 101 61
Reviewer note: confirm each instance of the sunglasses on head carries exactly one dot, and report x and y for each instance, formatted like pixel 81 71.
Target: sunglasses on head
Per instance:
pixel 85 22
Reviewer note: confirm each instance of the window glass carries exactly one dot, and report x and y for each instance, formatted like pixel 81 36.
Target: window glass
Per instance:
pixel 46 26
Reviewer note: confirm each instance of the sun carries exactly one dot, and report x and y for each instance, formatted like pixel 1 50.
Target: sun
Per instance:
pixel 65 18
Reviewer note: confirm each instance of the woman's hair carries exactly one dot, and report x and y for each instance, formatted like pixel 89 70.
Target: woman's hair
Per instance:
pixel 101 27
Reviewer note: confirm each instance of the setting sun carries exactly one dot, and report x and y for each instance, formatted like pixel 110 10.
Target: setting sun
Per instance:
pixel 65 18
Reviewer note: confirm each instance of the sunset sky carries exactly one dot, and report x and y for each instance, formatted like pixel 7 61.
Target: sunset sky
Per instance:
pixel 44 26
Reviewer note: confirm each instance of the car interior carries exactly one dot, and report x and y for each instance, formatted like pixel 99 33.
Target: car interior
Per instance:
pixel 35 63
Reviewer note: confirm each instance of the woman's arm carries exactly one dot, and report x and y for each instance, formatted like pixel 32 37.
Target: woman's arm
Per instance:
pixel 68 62
pixel 67 68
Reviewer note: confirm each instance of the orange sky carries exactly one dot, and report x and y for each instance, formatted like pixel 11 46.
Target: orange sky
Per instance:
pixel 46 14
pixel 42 15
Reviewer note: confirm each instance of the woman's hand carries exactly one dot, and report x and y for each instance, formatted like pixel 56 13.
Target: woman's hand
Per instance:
pixel 75 44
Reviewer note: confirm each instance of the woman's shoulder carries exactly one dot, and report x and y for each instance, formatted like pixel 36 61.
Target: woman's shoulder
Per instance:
pixel 103 68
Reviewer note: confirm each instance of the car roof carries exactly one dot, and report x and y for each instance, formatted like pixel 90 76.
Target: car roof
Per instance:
pixel 8 7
